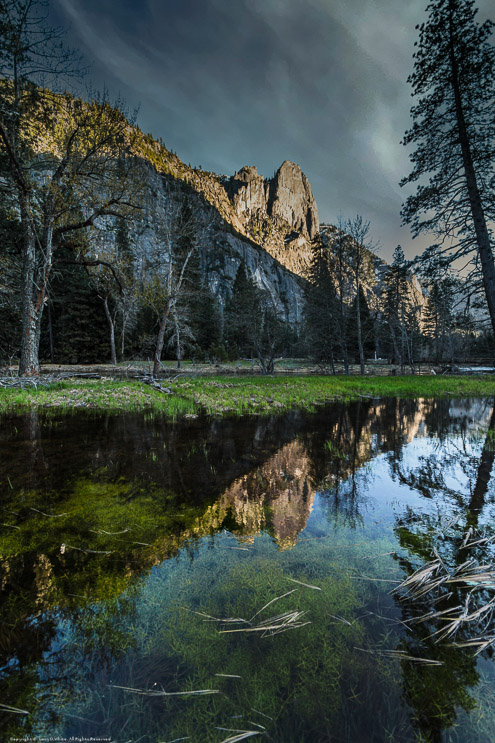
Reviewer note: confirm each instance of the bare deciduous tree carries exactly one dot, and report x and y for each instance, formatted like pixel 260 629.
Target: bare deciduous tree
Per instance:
pixel 166 274
pixel 360 251
pixel 63 154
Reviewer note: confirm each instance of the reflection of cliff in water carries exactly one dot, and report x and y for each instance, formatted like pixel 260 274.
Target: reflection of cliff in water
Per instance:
pixel 276 497
pixel 195 477
pixel 162 484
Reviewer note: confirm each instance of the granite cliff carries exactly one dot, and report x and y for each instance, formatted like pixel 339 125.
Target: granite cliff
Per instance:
pixel 268 224
pixel 279 213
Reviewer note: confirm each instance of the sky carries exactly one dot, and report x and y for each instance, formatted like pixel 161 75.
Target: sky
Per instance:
pixel 228 83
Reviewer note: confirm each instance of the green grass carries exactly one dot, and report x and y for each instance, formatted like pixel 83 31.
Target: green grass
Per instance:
pixel 108 395
pixel 237 396
pixel 240 396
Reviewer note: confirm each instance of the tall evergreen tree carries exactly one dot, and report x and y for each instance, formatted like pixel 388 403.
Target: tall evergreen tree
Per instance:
pixel 206 321
pixel 397 306
pixel 322 307
pixel 439 319
pixel 454 135
pixel 444 294
pixel 339 246
pixel 240 310
pixel 367 324
pixel 252 327
pixel 74 330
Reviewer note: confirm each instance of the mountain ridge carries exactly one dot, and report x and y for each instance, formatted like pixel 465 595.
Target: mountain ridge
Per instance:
pixel 278 214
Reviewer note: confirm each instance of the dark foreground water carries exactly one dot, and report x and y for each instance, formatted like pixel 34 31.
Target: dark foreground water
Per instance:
pixel 126 539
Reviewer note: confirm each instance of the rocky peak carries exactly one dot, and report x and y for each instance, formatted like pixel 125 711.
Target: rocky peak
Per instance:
pixel 287 196
pixel 290 197
pixel 247 191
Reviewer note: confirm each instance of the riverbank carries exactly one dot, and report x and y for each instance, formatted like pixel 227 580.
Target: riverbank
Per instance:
pixel 233 395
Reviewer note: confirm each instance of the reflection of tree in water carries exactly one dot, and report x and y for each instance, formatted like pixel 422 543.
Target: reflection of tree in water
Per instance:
pixel 352 436
pixel 436 694
pixel 338 448
pixel 356 433
pixel 437 474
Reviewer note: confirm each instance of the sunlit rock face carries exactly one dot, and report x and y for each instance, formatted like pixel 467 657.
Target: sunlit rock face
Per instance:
pixel 278 213
pixel 223 249
pixel 291 198
pixel 287 196
pixel 277 497
pixel 247 191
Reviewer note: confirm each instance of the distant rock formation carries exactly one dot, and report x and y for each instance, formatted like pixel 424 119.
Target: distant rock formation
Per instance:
pixel 291 198
pixel 224 249
pixel 248 192
pixel 287 195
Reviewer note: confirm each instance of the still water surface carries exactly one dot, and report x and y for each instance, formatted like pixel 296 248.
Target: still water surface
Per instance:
pixel 126 539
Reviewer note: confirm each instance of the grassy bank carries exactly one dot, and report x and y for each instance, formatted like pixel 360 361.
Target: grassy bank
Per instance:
pixel 232 395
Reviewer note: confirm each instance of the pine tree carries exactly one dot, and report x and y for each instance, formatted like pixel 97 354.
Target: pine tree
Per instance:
pixel 367 327
pixel 438 320
pixel 322 310
pixel 206 322
pixel 76 323
pixel 339 247
pixel 397 305
pixel 251 325
pixel 444 291
pixel 240 310
pixel 454 135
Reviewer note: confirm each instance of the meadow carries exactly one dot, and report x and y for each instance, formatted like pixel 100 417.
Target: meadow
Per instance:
pixel 234 395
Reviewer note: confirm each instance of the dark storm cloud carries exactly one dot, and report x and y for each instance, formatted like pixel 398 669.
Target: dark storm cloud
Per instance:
pixel 227 83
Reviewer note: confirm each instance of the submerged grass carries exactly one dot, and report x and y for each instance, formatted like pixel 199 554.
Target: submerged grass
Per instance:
pixel 234 395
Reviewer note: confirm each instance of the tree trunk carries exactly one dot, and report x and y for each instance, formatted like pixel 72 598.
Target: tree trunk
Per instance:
pixel 477 212
pixel 160 340
pixel 177 346
pixel 451 349
pixel 409 343
pixel 402 338
pixel 111 328
pixel 29 360
pixel 397 358
pixel 343 334
pixel 359 331
pixel 50 332
pixel 35 282
pixel 122 335
pixel 346 360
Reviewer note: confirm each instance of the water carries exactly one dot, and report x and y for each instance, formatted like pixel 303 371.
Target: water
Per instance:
pixel 120 533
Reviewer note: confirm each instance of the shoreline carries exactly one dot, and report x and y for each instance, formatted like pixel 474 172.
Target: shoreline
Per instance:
pixel 233 395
